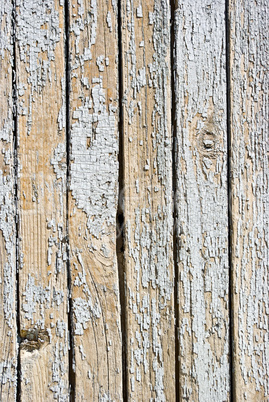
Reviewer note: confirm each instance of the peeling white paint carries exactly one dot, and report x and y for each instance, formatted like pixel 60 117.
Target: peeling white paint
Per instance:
pixel 249 197
pixel 7 227
pixel 201 200
pixel 37 34
pixel 148 215
pixel 62 112
pixel 94 148
pixel 94 186
pixel 58 161
pixel 84 310
pixel 36 298
pixel 8 327
pixel 108 21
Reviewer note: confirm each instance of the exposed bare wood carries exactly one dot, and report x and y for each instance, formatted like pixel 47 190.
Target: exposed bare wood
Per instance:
pixel 249 197
pixel 8 327
pixel 148 236
pixel 40 66
pixel 93 199
pixel 47 219
pixel 201 200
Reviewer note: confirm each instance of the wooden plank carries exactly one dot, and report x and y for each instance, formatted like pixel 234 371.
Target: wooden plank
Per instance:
pixel 148 233
pixel 201 200
pixel 249 197
pixel 40 65
pixel 8 327
pixel 94 141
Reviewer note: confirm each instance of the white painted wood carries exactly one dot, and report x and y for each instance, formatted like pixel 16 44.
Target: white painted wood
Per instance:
pixel 201 200
pixel 147 201
pixel 40 66
pixel 250 197
pixel 8 326
pixel 94 140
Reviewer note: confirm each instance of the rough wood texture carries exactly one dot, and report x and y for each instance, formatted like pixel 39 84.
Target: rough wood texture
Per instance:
pixel 249 197
pixel 66 249
pixel 201 200
pixel 40 65
pixel 8 327
pixel 93 199
pixel 147 161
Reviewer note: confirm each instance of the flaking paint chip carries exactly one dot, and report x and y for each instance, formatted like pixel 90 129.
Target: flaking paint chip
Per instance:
pixel 139 12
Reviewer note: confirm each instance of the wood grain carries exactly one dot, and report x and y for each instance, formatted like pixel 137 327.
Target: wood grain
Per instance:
pixel 94 101
pixel 201 200
pixel 64 82
pixel 147 201
pixel 249 197
pixel 8 326
pixel 40 65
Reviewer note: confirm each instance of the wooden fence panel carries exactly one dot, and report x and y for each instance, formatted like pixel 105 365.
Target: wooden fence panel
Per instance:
pixel 40 67
pixel 147 201
pixel 94 139
pixel 250 197
pixel 8 326
pixel 202 200
pixel 121 209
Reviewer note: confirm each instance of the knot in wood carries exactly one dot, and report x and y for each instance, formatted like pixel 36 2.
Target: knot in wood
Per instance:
pixel 33 339
pixel 208 142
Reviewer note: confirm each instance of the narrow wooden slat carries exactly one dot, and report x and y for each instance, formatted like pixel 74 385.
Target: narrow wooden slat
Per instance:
pixel 94 141
pixel 8 327
pixel 40 65
pixel 250 197
pixel 148 236
pixel 201 200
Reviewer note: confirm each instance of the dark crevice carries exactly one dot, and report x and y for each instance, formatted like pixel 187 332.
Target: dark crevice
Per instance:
pixel 72 377
pixel 174 183
pixel 120 213
pixel 229 193
pixel 16 192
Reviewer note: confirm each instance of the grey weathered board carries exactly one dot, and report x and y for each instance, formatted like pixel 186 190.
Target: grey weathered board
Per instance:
pixel 8 319
pixel 249 201
pixel 134 206
pixel 202 200
pixel 93 199
pixel 147 199
pixel 42 273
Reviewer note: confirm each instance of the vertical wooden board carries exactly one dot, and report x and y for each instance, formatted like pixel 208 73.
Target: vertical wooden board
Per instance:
pixel 250 197
pixel 93 198
pixel 8 327
pixel 201 200
pixel 148 232
pixel 40 65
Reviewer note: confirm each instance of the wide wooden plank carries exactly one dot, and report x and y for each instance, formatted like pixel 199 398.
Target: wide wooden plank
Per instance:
pixel 147 201
pixel 250 197
pixel 8 327
pixel 94 100
pixel 40 65
pixel 201 200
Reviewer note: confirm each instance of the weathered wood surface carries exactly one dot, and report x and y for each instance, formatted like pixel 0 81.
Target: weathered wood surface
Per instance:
pixel 201 202
pixel 40 67
pixel 107 292
pixel 94 139
pixel 147 198
pixel 250 197
pixel 8 327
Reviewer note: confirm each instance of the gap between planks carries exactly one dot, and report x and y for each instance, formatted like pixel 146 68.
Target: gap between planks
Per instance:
pixel 120 213
pixel 72 376
pixel 174 189
pixel 229 192
pixel 15 158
